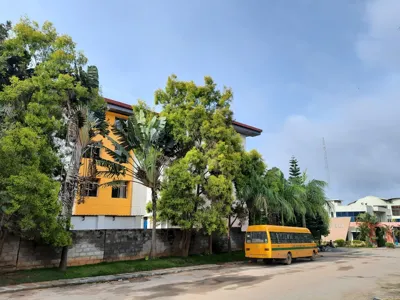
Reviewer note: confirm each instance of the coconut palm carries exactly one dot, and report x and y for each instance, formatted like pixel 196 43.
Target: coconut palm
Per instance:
pixel 314 200
pixel 288 195
pixel 293 196
pixel 143 149
pixel 249 194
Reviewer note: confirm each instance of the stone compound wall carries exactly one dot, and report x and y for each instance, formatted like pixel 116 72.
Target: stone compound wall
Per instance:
pixel 95 246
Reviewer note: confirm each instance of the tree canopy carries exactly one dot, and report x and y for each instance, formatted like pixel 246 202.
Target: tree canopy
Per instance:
pixel 294 169
pixel 46 97
pixel 197 191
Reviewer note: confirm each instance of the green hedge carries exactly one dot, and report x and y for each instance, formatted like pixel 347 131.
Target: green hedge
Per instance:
pixel 389 245
pixel 340 243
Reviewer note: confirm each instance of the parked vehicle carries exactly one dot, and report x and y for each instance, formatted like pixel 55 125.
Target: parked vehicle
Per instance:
pixel 270 243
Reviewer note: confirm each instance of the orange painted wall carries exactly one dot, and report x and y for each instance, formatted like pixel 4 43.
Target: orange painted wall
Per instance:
pixel 104 204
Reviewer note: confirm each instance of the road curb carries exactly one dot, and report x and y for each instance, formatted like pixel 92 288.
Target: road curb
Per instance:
pixel 106 278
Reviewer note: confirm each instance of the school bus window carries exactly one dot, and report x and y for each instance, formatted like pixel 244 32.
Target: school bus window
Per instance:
pixel 274 238
pixel 256 237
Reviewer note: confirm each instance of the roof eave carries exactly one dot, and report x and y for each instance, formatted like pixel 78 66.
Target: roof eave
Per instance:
pixel 126 109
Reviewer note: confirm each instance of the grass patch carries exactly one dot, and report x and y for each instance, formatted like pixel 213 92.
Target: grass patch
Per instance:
pixel 38 275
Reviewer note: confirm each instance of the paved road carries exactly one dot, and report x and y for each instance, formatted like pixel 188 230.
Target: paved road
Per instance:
pixel 357 275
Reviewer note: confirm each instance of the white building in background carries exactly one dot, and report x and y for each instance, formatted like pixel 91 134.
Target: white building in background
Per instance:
pixel 387 210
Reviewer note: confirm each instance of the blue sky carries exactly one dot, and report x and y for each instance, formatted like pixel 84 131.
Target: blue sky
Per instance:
pixel 300 70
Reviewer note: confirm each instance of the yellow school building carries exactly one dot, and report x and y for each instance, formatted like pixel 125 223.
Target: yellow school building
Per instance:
pixel 123 207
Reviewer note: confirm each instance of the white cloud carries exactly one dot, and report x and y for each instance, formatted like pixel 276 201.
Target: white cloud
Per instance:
pixel 380 45
pixel 362 132
pixel 363 146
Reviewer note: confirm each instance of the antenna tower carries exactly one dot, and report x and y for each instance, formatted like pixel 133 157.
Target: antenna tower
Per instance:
pixel 326 160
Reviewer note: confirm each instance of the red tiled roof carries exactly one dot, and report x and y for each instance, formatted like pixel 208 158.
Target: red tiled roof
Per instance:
pixel 128 106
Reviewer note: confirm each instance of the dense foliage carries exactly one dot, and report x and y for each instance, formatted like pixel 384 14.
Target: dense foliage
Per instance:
pixel 270 198
pixel 46 100
pixel 197 191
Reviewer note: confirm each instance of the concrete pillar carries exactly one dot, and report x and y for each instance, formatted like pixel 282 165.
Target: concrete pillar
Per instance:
pixel 100 222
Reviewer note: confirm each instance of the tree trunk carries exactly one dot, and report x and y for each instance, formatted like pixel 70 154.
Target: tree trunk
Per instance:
pixel 154 227
pixel 186 239
pixel 70 181
pixel 210 249
pixel 229 236
pixel 282 219
pixel 252 218
pixel 3 235
pixel 64 259
pixel 303 218
pixel 64 256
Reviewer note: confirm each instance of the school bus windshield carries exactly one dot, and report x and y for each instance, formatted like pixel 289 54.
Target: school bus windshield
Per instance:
pixel 256 237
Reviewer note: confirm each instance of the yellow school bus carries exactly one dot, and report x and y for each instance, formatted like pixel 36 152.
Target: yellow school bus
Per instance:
pixel 269 242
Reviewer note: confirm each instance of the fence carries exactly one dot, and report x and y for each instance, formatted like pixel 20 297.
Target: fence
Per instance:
pixel 95 246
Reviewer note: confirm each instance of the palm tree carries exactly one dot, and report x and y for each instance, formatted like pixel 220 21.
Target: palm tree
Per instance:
pixel 274 195
pixel 289 196
pixel 143 149
pixel 259 197
pixel 249 194
pixel 83 125
pixel 293 195
pixel 366 223
pixel 314 200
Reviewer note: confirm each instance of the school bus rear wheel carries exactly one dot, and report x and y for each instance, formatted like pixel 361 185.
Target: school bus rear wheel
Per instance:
pixel 314 256
pixel 288 259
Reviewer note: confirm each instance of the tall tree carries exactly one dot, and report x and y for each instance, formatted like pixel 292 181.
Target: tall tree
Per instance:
pixel 315 200
pixel 290 196
pixel 29 207
pixel 46 87
pixel 198 190
pixel 249 182
pixel 294 169
pixel 143 149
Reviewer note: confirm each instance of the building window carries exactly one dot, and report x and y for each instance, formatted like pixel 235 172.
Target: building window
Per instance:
pixel 118 122
pixel 89 188
pixel 352 214
pixel 119 191
pixel 396 210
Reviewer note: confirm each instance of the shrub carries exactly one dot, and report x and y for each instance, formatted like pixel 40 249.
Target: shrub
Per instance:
pixel 340 243
pixel 389 245
pixel 348 243
pixel 358 244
